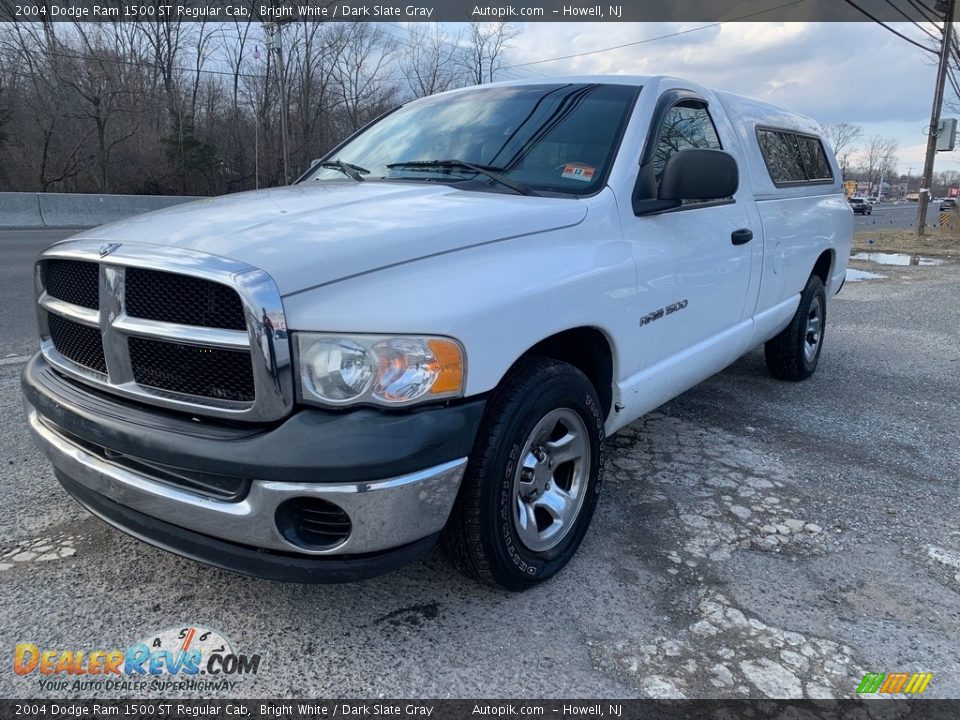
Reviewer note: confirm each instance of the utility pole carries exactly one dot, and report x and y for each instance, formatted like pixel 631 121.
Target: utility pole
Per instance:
pixel 256 132
pixel 275 44
pixel 927 180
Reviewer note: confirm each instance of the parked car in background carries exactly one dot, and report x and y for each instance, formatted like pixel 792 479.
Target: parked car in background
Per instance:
pixel 872 200
pixel 948 204
pixel 860 206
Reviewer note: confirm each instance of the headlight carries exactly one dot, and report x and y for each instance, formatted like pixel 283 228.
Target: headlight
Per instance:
pixel 393 371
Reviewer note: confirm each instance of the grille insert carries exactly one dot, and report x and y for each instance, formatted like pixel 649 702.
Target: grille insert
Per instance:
pixel 78 343
pixel 313 523
pixel 182 299
pixel 192 369
pixel 74 281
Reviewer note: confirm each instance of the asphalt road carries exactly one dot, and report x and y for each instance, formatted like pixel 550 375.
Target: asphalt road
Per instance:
pixel 889 216
pixel 18 248
pixel 754 538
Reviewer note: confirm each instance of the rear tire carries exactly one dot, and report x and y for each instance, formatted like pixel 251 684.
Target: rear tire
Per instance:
pixel 533 479
pixel 794 353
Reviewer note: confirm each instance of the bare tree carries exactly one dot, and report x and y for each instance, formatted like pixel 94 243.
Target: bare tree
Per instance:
pixel 943 181
pixel 105 89
pixel 433 61
pixel 240 52
pixel 170 106
pixel 7 78
pixel 51 129
pixel 843 136
pixel 163 41
pixel 488 42
pixel 365 88
pixel 879 158
pixel 316 50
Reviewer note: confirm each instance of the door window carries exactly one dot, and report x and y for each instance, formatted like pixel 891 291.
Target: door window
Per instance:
pixel 686 125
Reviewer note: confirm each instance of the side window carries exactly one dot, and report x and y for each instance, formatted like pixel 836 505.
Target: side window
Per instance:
pixel 782 155
pixel 814 158
pixel 793 158
pixel 686 125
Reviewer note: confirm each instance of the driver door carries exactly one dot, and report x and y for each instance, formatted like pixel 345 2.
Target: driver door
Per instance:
pixel 693 262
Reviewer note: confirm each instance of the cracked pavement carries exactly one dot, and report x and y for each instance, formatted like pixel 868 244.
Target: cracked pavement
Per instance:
pixel 754 539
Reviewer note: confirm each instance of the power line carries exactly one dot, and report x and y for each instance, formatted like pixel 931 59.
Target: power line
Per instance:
pixel 953 83
pixel 900 10
pixel 659 37
pixel 925 10
pixel 884 25
pixel 927 13
pixel 955 54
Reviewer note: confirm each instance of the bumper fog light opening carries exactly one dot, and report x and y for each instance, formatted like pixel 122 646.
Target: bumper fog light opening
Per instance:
pixel 313 523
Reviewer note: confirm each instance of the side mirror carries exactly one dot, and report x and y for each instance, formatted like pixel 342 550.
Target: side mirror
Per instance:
pixel 699 175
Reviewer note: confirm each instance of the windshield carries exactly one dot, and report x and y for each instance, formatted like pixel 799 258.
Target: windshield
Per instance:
pixel 548 138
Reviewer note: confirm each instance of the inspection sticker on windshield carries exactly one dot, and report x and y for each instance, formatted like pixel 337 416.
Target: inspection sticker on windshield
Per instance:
pixel 573 171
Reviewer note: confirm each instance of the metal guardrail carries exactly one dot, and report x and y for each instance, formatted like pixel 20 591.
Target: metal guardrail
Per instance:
pixel 52 210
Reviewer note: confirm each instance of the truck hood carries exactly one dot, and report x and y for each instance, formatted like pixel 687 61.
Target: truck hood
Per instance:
pixel 319 232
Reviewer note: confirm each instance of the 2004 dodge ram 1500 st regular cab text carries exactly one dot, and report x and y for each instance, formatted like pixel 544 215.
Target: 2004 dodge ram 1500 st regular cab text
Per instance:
pixel 429 335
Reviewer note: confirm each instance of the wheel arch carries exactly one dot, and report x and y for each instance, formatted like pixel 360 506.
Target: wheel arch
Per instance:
pixel 824 266
pixel 588 349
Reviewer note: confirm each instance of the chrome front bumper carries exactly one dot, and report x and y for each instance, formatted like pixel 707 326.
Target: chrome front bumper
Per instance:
pixel 385 513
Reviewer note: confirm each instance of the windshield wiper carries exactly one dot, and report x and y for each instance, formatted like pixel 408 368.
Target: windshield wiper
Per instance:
pixel 494 173
pixel 354 172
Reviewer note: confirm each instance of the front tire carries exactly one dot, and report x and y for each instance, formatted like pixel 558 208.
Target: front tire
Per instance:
pixel 794 353
pixel 533 479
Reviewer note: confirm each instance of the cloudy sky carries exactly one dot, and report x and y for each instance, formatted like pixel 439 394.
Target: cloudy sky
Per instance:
pixel 835 72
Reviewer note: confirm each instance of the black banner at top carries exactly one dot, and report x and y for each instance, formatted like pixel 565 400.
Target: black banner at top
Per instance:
pixel 471 10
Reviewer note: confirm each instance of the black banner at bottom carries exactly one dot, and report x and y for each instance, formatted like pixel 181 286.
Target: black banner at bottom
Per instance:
pixel 886 709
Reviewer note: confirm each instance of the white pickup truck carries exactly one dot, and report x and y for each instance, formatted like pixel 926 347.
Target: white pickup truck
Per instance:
pixel 430 334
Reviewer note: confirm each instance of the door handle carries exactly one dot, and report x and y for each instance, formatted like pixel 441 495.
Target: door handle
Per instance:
pixel 741 236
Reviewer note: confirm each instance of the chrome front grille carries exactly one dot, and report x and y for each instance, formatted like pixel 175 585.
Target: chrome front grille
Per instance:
pixel 174 328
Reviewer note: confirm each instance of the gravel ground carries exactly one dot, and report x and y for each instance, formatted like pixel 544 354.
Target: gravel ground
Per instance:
pixel 755 538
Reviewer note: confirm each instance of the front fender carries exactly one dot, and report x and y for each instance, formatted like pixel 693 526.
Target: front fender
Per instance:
pixel 498 299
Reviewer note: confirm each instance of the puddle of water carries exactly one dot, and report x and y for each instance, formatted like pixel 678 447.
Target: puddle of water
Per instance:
pixel 858 275
pixel 896 259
